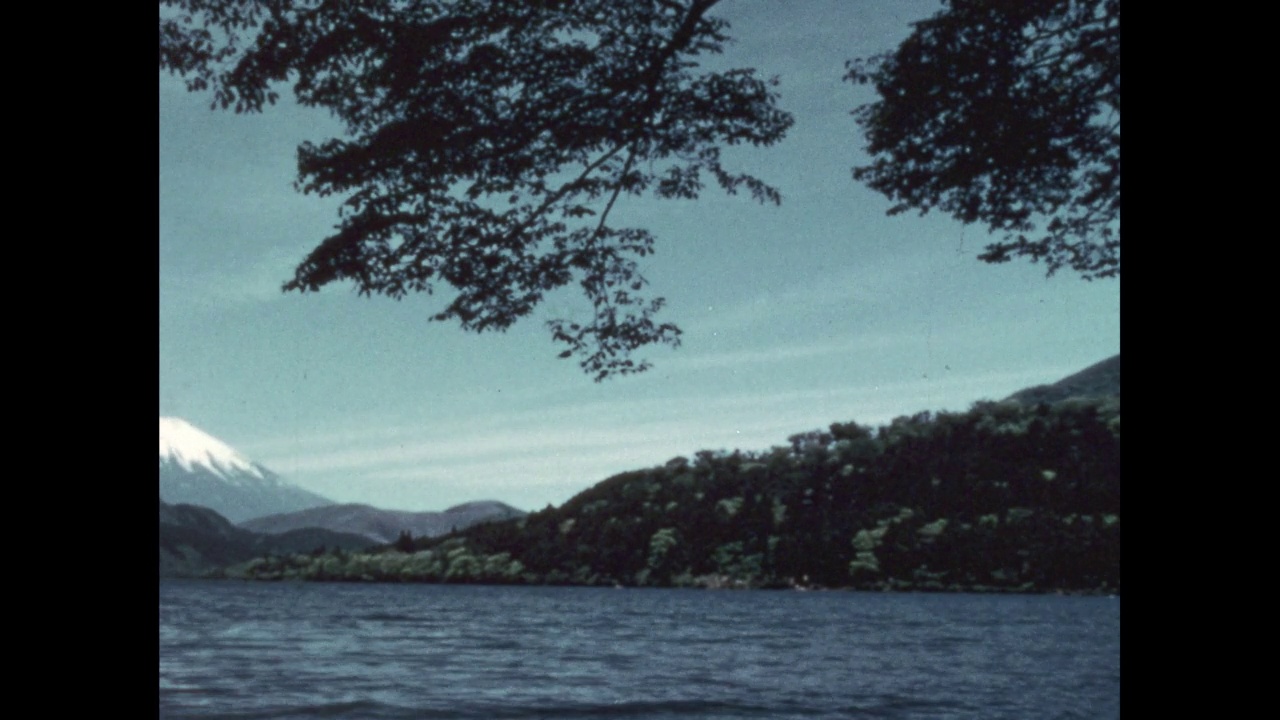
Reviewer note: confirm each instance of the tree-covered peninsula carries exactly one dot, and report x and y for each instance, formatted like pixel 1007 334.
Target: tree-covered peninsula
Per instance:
pixel 1008 496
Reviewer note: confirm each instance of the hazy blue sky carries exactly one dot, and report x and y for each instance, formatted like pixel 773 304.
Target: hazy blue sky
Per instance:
pixel 822 310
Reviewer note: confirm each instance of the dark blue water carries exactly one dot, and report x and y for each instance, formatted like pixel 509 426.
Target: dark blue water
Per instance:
pixel 258 650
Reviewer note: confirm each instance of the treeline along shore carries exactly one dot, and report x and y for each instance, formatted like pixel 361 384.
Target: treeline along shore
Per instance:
pixel 1005 497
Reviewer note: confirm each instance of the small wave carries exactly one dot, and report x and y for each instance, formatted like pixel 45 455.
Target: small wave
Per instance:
pixel 895 706
pixel 388 617
pixel 363 709
pixel 370 710
pixel 625 709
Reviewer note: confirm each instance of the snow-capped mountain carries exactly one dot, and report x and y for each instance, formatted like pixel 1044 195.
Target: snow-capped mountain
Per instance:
pixel 199 469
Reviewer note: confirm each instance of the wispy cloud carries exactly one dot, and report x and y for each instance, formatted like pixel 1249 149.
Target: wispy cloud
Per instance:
pixel 861 291
pixel 257 280
pixel 782 353
pixel 560 450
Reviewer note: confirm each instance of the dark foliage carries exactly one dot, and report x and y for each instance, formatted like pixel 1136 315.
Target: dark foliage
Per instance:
pixel 1008 496
pixel 489 140
pixel 1006 113
pixel 1005 496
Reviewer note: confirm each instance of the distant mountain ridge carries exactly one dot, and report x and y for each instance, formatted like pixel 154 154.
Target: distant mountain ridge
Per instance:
pixel 1099 380
pixel 199 469
pixel 195 540
pixel 384 526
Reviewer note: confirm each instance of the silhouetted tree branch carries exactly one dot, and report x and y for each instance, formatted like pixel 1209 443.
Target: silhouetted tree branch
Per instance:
pixel 1006 113
pixel 487 141
pixel 483 137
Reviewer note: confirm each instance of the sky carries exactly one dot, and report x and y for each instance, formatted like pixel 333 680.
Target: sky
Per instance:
pixel 821 310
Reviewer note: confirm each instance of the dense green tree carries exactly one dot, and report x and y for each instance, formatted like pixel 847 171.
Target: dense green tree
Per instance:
pixel 1006 113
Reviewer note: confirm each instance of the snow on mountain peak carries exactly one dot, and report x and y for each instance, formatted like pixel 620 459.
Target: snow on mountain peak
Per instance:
pixel 188 445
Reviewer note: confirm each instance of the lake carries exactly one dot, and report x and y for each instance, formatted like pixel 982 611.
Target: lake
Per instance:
pixel 310 650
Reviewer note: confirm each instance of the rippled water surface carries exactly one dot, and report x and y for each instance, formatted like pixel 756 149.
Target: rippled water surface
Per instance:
pixel 256 650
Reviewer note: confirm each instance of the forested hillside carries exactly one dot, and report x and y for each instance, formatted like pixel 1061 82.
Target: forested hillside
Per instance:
pixel 1006 496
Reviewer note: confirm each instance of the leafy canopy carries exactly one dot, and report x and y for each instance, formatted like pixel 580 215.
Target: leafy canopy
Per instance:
pixel 1006 113
pixel 489 140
